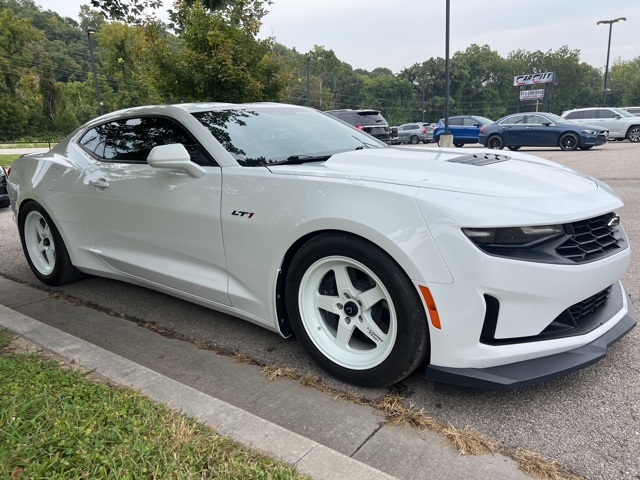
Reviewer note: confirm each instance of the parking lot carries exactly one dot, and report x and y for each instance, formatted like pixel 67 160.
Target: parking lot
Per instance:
pixel 588 421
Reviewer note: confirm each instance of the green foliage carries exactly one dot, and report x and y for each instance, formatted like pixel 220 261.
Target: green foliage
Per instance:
pixel 213 60
pixel 213 54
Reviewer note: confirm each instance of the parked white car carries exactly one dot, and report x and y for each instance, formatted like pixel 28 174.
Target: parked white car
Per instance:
pixel 620 123
pixel 497 271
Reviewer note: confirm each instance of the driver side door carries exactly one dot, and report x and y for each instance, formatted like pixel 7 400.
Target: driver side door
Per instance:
pixel 158 225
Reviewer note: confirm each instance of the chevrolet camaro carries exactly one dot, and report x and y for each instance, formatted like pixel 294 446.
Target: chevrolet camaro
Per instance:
pixel 491 270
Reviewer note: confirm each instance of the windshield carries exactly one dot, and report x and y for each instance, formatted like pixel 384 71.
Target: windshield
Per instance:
pixel 622 112
pixel 261 135
pixel 483 120
pixel 555 118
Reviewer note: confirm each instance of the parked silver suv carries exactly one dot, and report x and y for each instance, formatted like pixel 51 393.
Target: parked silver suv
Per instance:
pixel 415 133
pixel 620 123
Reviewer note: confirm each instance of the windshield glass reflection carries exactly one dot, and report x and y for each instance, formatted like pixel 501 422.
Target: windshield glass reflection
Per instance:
pixel 267 135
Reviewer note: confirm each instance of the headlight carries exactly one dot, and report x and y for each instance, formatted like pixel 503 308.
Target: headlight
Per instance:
pixel 513 236
pixel 589 132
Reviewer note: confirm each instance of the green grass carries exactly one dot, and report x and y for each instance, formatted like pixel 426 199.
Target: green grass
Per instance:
pixel 28 144
pixel 55 423
pixel 6 159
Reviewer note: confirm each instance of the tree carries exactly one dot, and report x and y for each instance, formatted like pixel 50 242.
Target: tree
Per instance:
pixel 213 60
pixel 129 11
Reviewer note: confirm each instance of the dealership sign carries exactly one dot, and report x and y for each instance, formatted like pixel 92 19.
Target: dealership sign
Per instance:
pixel 532 94
pixel 533 79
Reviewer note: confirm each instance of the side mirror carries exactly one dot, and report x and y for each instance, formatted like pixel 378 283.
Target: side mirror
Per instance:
pixel 176 157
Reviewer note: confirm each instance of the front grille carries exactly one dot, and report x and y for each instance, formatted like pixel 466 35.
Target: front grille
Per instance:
pixel 592 239
pixel 590 305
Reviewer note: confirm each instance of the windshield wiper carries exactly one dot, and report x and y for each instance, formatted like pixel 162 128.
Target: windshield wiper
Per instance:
pixel 365 144
pixel 300 159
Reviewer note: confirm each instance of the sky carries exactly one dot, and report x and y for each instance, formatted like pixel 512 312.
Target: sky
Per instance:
pixel 396 34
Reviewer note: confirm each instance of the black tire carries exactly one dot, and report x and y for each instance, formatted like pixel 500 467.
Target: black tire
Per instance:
pixel 586 148
pixel 495 142
pixel 43 247
pixel 414 140
pixel 458 144
pixel 569 141
pixel 633 134
pixel 514 148
pixel 383 341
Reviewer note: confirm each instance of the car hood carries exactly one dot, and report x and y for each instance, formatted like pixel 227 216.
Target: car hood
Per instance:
pixel 481 172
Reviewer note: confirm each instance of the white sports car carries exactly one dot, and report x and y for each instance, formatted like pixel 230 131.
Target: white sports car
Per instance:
pixel 496 271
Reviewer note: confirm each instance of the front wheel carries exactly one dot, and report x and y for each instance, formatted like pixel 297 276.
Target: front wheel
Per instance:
pixel 569 141
pixel 458 144
pixel 634 134
pixel 495 142
pixel 43 246
pixel 355 311
pixel 514 147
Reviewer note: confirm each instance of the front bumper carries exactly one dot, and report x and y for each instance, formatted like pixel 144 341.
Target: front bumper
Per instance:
pixel 537 370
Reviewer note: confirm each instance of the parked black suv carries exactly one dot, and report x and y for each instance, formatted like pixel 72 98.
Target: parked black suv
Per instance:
pixel 4 195
pixel 369 121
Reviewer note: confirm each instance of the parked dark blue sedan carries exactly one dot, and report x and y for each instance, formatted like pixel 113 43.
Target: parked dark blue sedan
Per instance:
pixel 540 130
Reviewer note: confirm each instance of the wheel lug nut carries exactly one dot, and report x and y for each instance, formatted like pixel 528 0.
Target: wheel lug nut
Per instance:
pixel 360 318
pixel 340 306
pixel 348 320
pixel 346 295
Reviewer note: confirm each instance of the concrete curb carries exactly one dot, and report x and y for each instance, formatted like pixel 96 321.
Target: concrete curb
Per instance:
pixel 310 457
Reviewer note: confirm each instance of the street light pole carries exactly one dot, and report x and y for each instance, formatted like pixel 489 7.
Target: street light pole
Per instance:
pixel 309 57
pixel 606 69
pixel 446 139
pixel 423 79
pixel 93 68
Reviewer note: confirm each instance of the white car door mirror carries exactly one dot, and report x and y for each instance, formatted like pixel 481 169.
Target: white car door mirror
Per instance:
pixel 174 156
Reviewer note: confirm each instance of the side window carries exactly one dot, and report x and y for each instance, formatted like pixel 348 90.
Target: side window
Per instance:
pixel 470 122
pixel 536 120
pixel 455 121
pixel 131 140
pixel 512 120
pixel 93 141
pixel 590 114
pixel 575 116
pixel 606 113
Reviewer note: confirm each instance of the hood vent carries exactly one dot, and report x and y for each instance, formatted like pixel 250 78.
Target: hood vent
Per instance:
pixel 480 159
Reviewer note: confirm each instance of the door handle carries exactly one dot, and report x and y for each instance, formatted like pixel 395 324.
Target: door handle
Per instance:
pixel 100 183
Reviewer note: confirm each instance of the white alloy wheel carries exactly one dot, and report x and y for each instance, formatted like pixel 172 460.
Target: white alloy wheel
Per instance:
pixel 347 312
pixel 39 242
pixel 355 311
pixel 46 253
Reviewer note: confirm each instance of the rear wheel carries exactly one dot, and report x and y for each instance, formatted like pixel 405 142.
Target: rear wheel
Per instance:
pixel 458 144
pixel 355 311
pixel 569 141
pixel 495 142
pixel 634 134
pixel 414 140
pixel 514 148
pixel 43 246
